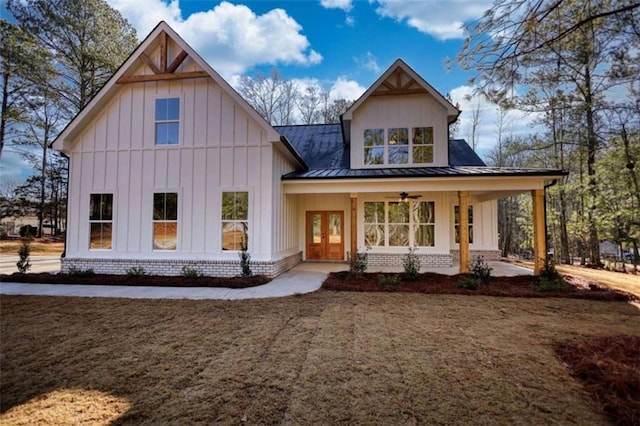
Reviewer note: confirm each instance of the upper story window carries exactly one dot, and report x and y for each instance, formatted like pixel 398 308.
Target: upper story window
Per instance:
pixel 167 121
pixel 398 147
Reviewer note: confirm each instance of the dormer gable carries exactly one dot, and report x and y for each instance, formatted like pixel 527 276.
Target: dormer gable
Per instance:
pixel 400 121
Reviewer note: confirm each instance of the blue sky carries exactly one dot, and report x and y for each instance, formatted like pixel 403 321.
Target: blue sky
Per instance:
pixel 340 45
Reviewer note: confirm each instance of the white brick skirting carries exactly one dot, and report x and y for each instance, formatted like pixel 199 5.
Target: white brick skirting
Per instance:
pixel 213 268
pixel 426 260
pixel 487 254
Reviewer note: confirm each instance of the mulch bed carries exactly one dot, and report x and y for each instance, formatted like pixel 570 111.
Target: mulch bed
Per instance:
pixel 432 283
pixel 608 367
pixel 148 280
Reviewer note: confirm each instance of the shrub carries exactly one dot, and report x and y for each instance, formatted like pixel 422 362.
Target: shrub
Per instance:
pixel 24 253
pixel 81 272
pixel 359 262
pixel 481 270
pixel 188 272
pixel 550 279
pixel 28 231
pixel 136 272
pixel 388 280
pixel 245 262
pixel 469 282
pixel 411 264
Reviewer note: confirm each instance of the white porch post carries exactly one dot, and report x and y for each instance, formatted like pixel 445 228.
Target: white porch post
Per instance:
pixel 463 230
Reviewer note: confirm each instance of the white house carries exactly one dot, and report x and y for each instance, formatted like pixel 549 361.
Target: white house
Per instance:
pixel 169 167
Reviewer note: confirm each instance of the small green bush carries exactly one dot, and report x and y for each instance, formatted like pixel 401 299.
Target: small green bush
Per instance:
pixel 388 280
pixel 411 264
pixel 81 272
pixel 24 253
pixel 469 282
pixel 481 270
pixel 136 272
pixel 188 272
pixel 551 280
pixel 245 262
pixel 359 262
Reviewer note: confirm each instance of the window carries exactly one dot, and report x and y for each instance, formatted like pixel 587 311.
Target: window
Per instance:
pixel 423 145
pixel 424 224
pixel 399 224
pixel 165 221
pixel 100 221
pixel 167 121
pixel 457 224
pixel 235 216
pixel 398 148
pixel 374 224
pixel 374 146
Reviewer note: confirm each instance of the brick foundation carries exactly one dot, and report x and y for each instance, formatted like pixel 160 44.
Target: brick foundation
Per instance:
pixel 426 260
pixel 487 254
pixel 214 268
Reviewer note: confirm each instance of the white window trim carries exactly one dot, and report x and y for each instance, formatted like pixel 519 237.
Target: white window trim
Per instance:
pixel 386 246
pixel 249 191
pixel 178 221
pixel 385 146
pixel 113 219
pixel 180 121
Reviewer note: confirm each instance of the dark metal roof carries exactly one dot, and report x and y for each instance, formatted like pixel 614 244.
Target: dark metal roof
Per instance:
pixel 319 145
pixel 461 154
pixel 322 148
pixel 421 172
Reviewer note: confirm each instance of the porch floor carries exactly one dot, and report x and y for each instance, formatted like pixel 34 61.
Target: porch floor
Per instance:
pixel 499 269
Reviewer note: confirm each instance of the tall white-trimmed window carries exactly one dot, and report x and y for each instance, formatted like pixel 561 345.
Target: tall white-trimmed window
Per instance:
pixel 167 121
pixel 422 149
pixel 399 223
pixel 398 146
pixel 100 221
pixel 235 220
pixel 456 221
pixel 165 221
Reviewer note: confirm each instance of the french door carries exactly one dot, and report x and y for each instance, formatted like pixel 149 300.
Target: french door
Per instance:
pixel 325 235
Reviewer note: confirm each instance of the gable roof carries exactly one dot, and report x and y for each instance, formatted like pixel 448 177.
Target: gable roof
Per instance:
pixel 461 154
pixel 136 59
pixel 400 79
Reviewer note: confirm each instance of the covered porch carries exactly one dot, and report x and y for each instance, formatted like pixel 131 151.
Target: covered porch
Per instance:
pixel 445 193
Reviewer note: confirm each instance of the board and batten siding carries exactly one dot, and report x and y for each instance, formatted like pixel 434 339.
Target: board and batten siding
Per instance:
pixel 384 112
pixel 285 214
pixel 221 148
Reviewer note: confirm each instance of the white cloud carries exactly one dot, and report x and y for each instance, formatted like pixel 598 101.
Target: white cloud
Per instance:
pixel 345 5
pixel 441 19
pixel 349 21
pixel 343 88
pixel 369 62
pixel 516 123
pixel 232 38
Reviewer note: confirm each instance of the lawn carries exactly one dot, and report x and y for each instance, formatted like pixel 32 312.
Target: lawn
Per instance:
pixel 323 358
pixel 38 248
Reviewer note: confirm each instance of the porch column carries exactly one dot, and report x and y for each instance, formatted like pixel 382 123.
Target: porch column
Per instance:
pixel 354 224
pixel 463 230
pixel 539 237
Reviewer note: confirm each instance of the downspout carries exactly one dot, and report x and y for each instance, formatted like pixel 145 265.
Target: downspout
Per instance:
pixel 66 209
pixel 544 205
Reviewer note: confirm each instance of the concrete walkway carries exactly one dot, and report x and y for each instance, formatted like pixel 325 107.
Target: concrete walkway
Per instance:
pixel 304 278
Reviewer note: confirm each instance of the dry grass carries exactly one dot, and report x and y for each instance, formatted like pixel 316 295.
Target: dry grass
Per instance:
pixel 323 358
pixel 37 248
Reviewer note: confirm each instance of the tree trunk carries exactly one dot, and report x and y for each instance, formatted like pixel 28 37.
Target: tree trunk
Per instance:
pixel 592 145
pixel 3 119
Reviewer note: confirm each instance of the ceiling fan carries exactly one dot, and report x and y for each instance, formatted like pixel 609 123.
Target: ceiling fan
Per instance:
pixel 404 196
